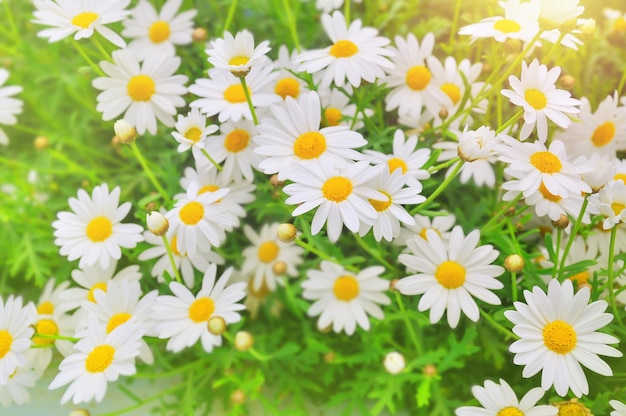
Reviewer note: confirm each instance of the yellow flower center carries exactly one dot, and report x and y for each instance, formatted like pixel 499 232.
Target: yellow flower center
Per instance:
pixel 208 188
pixel 174 248
pixel 191 213
pixel 381 206
pixel 235 94
pixel 332 116
pixel 117 320
pixel 619 25
pixel 45 308
pixel 201 310
pixel 343 49
pixel 45 327
pixel 159 31
pixel 510 411
pixel 452 91
pixel 418 77
pixel 98 286
pixel 100 358
pixel 620 177
pixel 346 288
pixel 309 145
pixel 580 278
pixel 193 134
pixel 546 162
pixel 547 195
pixel 573 409
pixel 559 336
pixel 395 163
pixel 238 60
pixel 603 134
pixel 237 140
pixel 140 88
pixel 6 340
pixel 423 233
pixel 84 19
pixel 450 274
pixel 287 87
pixel 99 229
pixel 268 251
pixel 617 207
pixel 507 26
pixel 535 98
pixel 337 189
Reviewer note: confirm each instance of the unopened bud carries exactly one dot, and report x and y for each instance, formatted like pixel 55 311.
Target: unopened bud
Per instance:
pixel 279 268
pixel 392 285
pixel 241 73
pixel 157 223
pixel 443 114
pixel 394 362
pixel 79 412
pixel 287 232
pixel 41 143
pixel 275 182
pixel 567 81
pixel 125 132
pixel 430 370
pixel 199 34
pixel 216 325
pixel 514 263
pixel 238 397
pixel 243 341
pixel 562 222
pixel 151 206
pixel 329 357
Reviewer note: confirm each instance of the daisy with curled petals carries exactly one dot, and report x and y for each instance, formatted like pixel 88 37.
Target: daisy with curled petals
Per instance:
pixel 344 299
pixel 156 33
pixel 80 18
pixel 501 400
pixel 357 53
pixel 183 318
pixel 9 106
pixel 619 408
pixel 441 224
pixel 15 334
pixel 520 21
pixel 99 358
pixel 611 203
pixel 558 333
pixel 235 148
pixel 143 93
pixel 293 137
pixel 237 54
pixel 448 275
pixel 341 196
pixel 536 94
pixel 192 132
pixel 94 232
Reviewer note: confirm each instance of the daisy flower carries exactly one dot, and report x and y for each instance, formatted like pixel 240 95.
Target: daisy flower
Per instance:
pixel 24 377
pixel 237 54
pixel 500 400
pixel 520 21
pixel 234 146
pixel 450 274
pixel 293 137
pixel 619 408
pixel 556 13
pixel 340 196
pixel 9 106
pixel 344 299
pixel 338 111
pixel 143 93
pixel 183 318
pixel 192 132
pixel 267 250
pixel 100 358
pixel 536 93
pixel 441 224
pixel 287 84
pixel 157 33
pixel 617 19
pixel 15 332
pixel 558 334
pixel 610 201
pixel 357 53
pixel 94 232
pixel 330 5
pixel 605 170
pixel 80 18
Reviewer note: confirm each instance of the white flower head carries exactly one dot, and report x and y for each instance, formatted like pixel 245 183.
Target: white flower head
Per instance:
pixel 477 144
pixel 15 334
pixel 557 13
pixel 192 132
pixel 287 84
pixel 9 105
pixel 441 224
pixel 520 21
pixel 339 111
pixel 611 203
pixel 24 377
pixel 237 54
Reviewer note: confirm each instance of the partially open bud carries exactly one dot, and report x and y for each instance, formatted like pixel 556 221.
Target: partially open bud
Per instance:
pixel 41 143
pixel 279 268
pixel 243 341
pixel 125 132
pixel 199 34
pixel 216 325
pixel 238 397
pixel 287 232
pixel 157 223
pixel 514 263
pixel 562 222
pixel 394 362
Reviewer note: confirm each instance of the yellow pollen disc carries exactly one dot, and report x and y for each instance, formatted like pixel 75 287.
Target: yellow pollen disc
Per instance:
pixel 309 145
pixel 346 288
pixel 337 189
pixel 452 91
pixel 287 87
pixel 617 207
pixel 510 411
pixel 395 163
pixel 418 77
pixel 261 292
pixel 6 340
pixel 620 177
pixel 208 188
pixel 235 94
pixel 99 229
pixel 140 88
pixel 45 327
pixel 237 140
pixel 100 358
pixel 98 286
pixel 343 49
pixel 619 25
pixel 559 336
pixel 546 162
pixel 193 134
pixel 201 310
pixel 603 134
pixel 573 409
pixel 238 60
pixel 117 320
pixel 174 247
pixel 191 213
pixel 547 195
pixel 268 251
pixel 159 31
pixel 45 308
pixel 332 116
pixel 581 278
pixel 84 19
pixel 535 98
pixel 507 26
pixel 450 274
pixel 381 206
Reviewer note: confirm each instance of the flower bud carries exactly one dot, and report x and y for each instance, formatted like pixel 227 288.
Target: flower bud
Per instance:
pixel 216 325
pixel 199 34
pixel 443 114
pixel 287 232
pixel 243 341
pixel 79 412
pixel 238 397
pixel 41 143
pixel 329 357
pixel 157 223
pixel 126 133
pixel 514 263
pixel 562 222
pixel 430 370
pixel 567 81
pixel 275 182
pixel 279 268
pixel 394 362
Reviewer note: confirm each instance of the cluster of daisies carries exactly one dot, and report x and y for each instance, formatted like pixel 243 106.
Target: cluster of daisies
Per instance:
pixel 296 118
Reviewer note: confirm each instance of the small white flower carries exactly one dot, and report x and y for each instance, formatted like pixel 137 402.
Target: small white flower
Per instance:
pixel 9 106
pixel 192 132
pixel 441 224
pixel 338 111
pixel 520 21
pixel 237 54
pixel 555 13
pixel 24 377
pixel 611 203
pixel 394 362
pixel 15 335
pixel 235 147
pixel 287 84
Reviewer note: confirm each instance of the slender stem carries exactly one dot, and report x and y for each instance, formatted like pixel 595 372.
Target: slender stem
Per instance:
pixel 292 25
pixel 59 337
pixel 500 213
pixel 514 286
pixel 559 237
pixel 346 11
pixel 170 255
pixel 409 327
pixel 622 81
pixel 86 57
pixel 572 236
pixel 504 331
pixel 439 190
pixel 320 254
pixel 246 91
pixel 146 168
pixel 11 21
pixel 291 297
pixel 610 277
pixel 443 165
pixel 510 121
pixel 230 15
pixel 455 21
pixel 546 58
pixel 375 253
pixel 208 156
pixel 105 54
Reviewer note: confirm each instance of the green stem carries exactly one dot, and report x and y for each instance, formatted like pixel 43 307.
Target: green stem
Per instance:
pixel 292 25
pixel 500 213
pixel 105 54
pixel 443 165
pixel 510 121
pixel 409 327
pixel 514 286
pixel 559 237
pixel 504 331
pixel 546 58
pixel 208 156
pixel 611 277
pixel 321 254
pixel 375 253
pixel 230 15
pixel 346 11
pixel 291 298
pixel 439 190
pixel 170 255
pixel 622 81
pixel 146 168
pixel 59 337
pixel 455 21
pixel 572 236
pixel 86 57
pixel 246 91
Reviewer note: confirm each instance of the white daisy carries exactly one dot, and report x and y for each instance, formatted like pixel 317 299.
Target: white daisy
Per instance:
pixel 520 21
pixel 450 274
pixel 287 84
pixel 237 54
pixel 441 224
pixel 557 13
pixel 156 33
pixel 338 111
pixel 234 146
pixel 540 99
pixel 9 106
pixel 340 196
pixel 605 170
pixel 501 400
pixel 619 408
pixel 558 334
pixel 357 53
pixel 192 132
pixel 610 202
pixel 80 18
pixel 24 377
pixel 183 318
pixel 293 137
pixel 345 299
pixel 15 332
pixel 94 232
pixel 616 18
pixel 144 93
